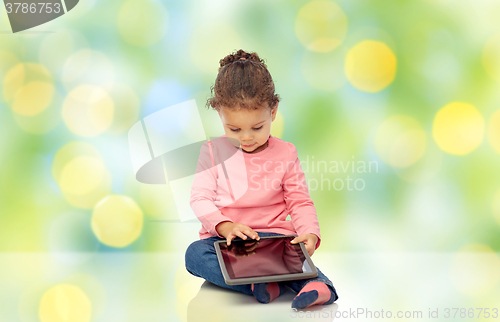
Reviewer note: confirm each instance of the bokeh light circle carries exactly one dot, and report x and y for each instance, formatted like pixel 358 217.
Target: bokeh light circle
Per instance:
pixel 63 303
pixel 400 141
pixel 57 47
pixel 458 128
pixel 117 221
pixel 22 74
pixel 69 152
pixel 494 131
pixel 491 57
pixel 426 168
pixel 81 174
pixel 430 50
pixel 475 269
pixel 321 25
pixel 31 94
pixel 87 67
pixel 33 98
pixel 44 121
pixel 370 66
pixel 142 22
pixel 88 110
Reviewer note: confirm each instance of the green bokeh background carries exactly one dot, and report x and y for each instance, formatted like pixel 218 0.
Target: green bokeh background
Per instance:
pixel 438 62
pixel 448 203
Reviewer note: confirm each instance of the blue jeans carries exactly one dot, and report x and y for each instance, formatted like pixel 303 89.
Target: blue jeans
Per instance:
pixel 201 261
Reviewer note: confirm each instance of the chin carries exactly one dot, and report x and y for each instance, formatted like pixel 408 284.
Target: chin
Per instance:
pixel 247 150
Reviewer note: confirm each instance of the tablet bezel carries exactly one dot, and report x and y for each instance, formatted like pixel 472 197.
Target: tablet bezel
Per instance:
pixel 265 279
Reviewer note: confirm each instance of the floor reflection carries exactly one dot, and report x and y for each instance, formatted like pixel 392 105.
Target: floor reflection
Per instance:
pixel 213 303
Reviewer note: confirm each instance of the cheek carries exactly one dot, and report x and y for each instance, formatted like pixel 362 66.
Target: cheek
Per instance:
pixel 231 134
pixel 266 131
pixel 261 136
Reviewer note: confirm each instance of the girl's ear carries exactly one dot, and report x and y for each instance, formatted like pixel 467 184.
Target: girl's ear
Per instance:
pixel 274 112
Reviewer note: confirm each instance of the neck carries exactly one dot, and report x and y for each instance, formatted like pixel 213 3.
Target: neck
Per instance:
pixel 260 148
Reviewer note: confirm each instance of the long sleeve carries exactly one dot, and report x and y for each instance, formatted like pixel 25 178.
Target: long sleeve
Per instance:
pixel 296 195
pixel 203 192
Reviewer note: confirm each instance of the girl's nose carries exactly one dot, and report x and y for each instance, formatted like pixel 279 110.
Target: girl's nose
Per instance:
pixel 246 136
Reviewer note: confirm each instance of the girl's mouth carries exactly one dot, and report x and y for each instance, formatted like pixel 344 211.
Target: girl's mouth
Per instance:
pixel 248 146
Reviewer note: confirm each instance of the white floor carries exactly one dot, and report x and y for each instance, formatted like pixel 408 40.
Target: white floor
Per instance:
pixel 214 303
pixel 156 287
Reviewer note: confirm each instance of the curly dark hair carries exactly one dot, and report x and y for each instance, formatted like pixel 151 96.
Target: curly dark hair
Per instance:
pixel 243 81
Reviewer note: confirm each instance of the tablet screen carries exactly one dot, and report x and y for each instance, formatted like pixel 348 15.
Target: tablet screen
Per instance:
pixel 266 257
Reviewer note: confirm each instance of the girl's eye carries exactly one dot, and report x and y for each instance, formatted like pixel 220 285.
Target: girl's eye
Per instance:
pixel 256 129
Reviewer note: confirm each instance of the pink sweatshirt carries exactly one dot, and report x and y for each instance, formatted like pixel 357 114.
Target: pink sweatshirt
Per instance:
pixel 256 189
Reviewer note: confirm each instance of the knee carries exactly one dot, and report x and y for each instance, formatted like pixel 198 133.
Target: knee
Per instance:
pixel 192 252
pixel 196 253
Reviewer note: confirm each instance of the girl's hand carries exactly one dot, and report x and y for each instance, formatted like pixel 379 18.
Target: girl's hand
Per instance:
pixel 309 241
pixel 231 230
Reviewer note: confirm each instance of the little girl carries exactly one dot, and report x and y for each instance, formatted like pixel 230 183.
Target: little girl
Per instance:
pixel 273 184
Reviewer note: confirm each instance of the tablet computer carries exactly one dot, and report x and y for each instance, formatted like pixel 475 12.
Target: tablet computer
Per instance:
pixel 270 259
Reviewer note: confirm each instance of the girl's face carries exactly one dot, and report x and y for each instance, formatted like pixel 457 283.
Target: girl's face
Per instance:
pixel 250 127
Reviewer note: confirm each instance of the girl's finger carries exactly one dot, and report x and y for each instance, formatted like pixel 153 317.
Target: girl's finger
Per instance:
pixel 247 231
pixel 250 233
pixel 298 240
pixel 255 235
pixel 241 235
pixel 229 238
